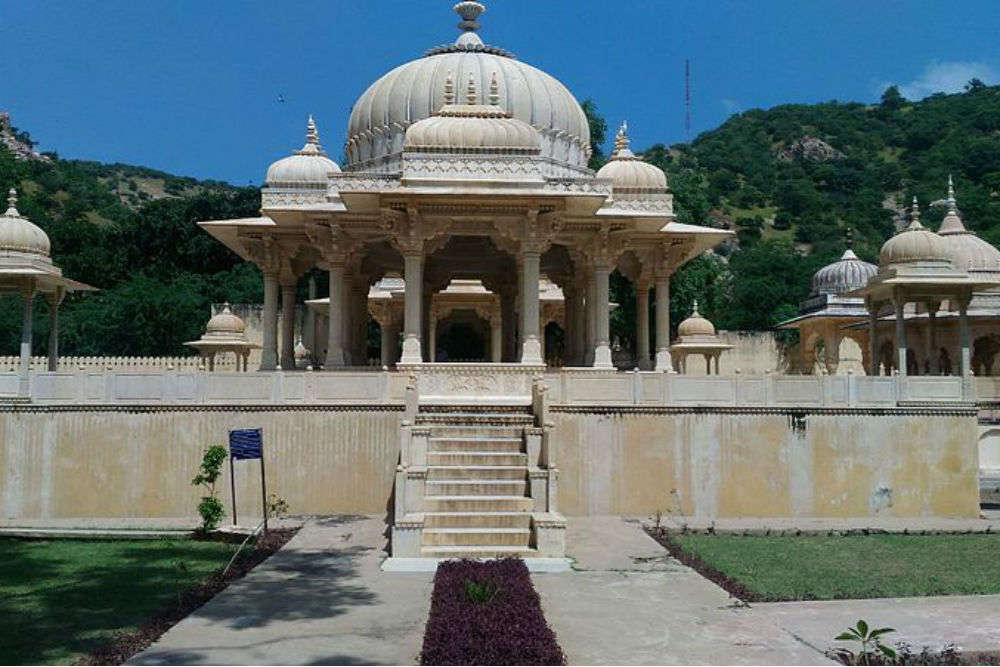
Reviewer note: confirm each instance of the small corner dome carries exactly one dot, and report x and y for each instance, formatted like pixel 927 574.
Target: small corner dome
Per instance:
pixel 18 234
pixel 472 127
pixel 695 325
pixel 225 322
pixel 845 275
pixel 914 244
pixel 308 167
pixel 967 250
pixel 629 172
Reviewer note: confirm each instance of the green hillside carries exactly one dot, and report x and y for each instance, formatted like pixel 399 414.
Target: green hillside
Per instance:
pixel 790 180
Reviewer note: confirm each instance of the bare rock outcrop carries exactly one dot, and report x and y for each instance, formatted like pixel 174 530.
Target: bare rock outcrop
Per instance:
pixel 808 148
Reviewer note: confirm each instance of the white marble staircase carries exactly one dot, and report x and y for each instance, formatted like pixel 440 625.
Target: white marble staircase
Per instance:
pixel 471 485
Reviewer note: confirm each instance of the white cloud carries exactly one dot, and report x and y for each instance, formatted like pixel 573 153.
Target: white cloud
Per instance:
pixel 945 77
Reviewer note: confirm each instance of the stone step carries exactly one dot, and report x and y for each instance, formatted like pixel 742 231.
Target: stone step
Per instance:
pixel 473 444
pixel 476 430
pixel 478 552
pixel 476 487
pixel 477 520
pixel 469 473
pixel 475 418
pixel 467 503
pixel 466 458
pixel 478 537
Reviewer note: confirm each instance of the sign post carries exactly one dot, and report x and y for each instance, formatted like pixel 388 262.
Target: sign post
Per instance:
pixel 248 444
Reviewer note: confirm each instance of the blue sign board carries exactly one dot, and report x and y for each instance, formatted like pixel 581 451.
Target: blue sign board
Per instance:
pixel 246 443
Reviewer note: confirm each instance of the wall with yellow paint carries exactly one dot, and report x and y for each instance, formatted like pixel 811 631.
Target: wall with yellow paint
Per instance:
pixel 716 463
pixel 138 462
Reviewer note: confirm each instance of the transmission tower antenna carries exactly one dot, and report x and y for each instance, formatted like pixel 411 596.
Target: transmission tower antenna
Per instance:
pixel 687 100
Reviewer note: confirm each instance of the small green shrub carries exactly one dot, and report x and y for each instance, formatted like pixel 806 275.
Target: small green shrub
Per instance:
pixel 480 592
pixel 277 506
pixel 872 648
pixel 210 508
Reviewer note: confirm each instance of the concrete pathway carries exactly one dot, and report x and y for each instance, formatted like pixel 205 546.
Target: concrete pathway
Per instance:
pixel 320 600
pixel 630 603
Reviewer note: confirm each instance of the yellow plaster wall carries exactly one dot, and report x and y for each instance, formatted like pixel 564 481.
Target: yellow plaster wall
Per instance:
pixel 140 464
pixel 718 464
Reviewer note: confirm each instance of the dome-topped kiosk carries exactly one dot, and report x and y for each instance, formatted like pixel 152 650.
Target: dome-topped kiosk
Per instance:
pixel 224 332
pixel 696 335
pixel 308 167
pixel 825 316
pixel 26 268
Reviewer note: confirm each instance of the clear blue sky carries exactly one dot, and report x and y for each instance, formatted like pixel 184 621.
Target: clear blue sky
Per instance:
pixel 192 87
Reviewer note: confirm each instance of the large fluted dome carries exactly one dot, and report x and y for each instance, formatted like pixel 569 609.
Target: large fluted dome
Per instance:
pixel 414 91
pixel 20 235
pixel 845 275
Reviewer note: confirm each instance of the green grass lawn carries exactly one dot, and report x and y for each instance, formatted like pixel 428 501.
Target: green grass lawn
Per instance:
pixel 863 566
pixel 61 598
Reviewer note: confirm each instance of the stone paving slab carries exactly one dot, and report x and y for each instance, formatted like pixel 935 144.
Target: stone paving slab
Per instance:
pixel 968 621
pixel 322 599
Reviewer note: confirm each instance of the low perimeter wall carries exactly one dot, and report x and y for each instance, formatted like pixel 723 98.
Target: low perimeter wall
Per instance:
pixel 711 461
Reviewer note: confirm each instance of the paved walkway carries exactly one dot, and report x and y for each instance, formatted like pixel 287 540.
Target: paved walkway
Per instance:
pixel 630 603
pixel 320 600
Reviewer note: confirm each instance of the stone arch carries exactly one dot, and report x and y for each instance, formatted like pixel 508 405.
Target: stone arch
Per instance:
pixel 989 449
pixel 985 350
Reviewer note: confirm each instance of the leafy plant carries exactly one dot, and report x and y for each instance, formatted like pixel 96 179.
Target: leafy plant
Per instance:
pixel 277 506
pixel 210 508
pixel 873 651
pixel 480 592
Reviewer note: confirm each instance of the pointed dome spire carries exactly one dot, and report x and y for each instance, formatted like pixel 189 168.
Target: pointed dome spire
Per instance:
pixel 470 91
pixel 952 206
pixel 12 204
pixel 915 215
pixel 449 89
pixel 312 145
pixel 494 97
pixel 968 251
pixel 952 222
pixel 622 141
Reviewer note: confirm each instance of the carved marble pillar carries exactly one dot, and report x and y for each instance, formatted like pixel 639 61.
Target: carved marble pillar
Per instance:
pixel 359 306
pixel 663 361
pixel 496 336
pixel 55 299
pixel 602 327
pixel 899 303
pixel 335 354
pixel 642 324
pixel 873 359
pixel 933 355
pixel 507 322
pixel 579 325
pixel 432 320
pixel 531 348
pixel 27 323
pixel 269 350
pixel 591 328
pixel 569 319
pixel 309 326
pixel 413 265
pixel 963 337
pixel 288 325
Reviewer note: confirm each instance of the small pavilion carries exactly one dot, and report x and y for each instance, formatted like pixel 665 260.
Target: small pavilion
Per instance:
pixel 27 269
pixel 917 266
pixel 696 335
pixel 225 332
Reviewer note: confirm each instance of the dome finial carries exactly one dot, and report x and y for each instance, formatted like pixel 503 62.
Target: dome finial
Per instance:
pixel 494 90
pixel 470 94
pixel 312 134
pixel 694 309
pixel 469 11
pixel 449 89
pixel 621 138
pixel 915 215
pixel 849 238
pixel 12 203
pixel 952 204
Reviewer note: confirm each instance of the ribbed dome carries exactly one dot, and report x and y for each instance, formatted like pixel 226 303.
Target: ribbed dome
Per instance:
pixel 309 167
pixel 846 274
pixel 914 244
pixel 414 91
pixel 19 234
pixel 472 127
pixel 695 325
pixel 628 172
pixel 967 250
pixel 225 324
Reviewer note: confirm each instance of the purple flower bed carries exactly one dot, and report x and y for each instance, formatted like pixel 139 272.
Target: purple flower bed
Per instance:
pixel 505 626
